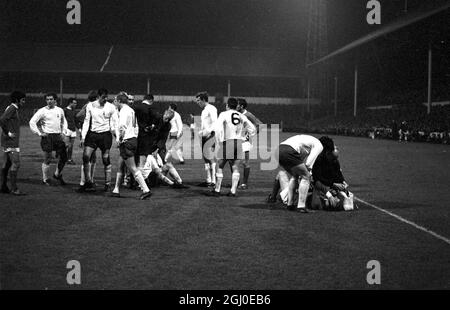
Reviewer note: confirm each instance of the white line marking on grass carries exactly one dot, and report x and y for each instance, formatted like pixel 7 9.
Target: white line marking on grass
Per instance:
pixel 446 240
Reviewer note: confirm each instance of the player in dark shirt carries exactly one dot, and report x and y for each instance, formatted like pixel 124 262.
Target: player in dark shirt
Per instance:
pixel 71 133
pixel 10 124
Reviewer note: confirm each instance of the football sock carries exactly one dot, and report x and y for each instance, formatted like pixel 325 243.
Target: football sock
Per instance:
pixel 303 188
pixel 219 178
pixel 92 169
pixel 275 188
pixel 82 180
pixel 108 174
pixel 213 172
pixel 140 179
pixel 165 179
pixel 13 179
pixel 291 192
pixel 45 170
pixel 246 174
pixel 234 181
pixel 119 176
pixel 4 176
pixel 174 174
pixel 208 173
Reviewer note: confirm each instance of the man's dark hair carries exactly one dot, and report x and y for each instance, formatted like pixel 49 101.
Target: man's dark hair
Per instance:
pixel 232 103
pixel 92 95
pixel 54 95
pixel 328 144
pixel 122 98
pixel 242 102
pixel 173 106
pixel 102 91
pixel 16 96
pixel 202 96
pixel 69 101
pixel 148 97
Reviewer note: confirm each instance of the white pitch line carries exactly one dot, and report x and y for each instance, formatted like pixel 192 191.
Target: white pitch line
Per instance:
pixel 446 240
pixel 107 58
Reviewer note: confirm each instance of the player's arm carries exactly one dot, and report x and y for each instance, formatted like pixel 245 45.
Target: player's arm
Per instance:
pixel 85 127
pixel 115 119
pixel 254 120
pixel 64 125
pixel 316 149
pixel 180 127
pixel 248 125
pixel 213 116
pixel 33 123
pixel 7 115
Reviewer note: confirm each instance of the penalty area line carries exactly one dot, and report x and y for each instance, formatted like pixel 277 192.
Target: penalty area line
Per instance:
pixel 446 240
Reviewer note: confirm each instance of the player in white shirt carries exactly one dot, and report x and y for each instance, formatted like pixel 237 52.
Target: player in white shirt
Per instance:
pixel 126 137
pixel 50 124
pixel 99 125
pixel 174 139
pixel 230 127
pixel 297 155
pixel 247 144
pixel 206 132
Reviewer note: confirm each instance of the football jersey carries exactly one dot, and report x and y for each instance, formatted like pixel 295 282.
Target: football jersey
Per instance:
pixel 99 119
pixel 209 117
pixel 252 118
pixel 233 125
pixel 51 120
pixel 128 127
pixel 302 143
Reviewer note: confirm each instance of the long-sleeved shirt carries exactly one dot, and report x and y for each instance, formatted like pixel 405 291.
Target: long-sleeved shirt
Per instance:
pixel 176 124
pixel 99 118
pixel 326 172
pixel 209 117
pixel 302 143
pixel 70 115
pixel 233 125
pixel 128 127
pixel 10 123
pixel 255 121
pixel 51 120
pixel 145 115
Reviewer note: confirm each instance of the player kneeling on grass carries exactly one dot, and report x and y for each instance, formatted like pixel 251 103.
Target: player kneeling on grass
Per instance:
pixel 297 155
pixel 126 133
pixel 330 189
pixel 230 128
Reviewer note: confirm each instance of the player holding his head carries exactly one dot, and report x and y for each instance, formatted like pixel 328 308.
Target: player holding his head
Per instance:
pixel 71 132
pixel 10 124
pixel 206 132
pixel 126 137
pixel 174 139
pixel 297 155
pixel 50 124
pixel 247 144
pixel 99 124
pixel 230 127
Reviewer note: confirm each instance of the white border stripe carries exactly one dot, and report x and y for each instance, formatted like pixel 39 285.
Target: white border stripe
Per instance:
pixel 446 240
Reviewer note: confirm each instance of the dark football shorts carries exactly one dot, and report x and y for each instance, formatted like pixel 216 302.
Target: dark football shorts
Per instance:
pixel 288 157
pixel 102 140
pixel 208 145
pixel 128 148
pixel 173 135
pixel 54 143
pixel 231 150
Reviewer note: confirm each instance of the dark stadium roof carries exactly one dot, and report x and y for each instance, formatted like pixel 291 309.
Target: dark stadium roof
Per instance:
pixel 167 60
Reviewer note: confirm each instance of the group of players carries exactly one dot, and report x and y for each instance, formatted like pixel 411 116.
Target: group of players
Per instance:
pixel 142 135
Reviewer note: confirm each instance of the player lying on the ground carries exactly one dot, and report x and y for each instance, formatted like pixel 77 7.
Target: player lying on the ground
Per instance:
pixel 127 133
pixel 50 124
pixel 230 127
pixel 297 155
pixel 10 124
pixel 155 166
pixel 330 189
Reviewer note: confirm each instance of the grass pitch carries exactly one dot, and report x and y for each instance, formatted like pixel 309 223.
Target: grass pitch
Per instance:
pixel 181 239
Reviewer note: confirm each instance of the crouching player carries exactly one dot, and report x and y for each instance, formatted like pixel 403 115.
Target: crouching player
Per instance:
pixel 230 127
pixel 126 133
pixel 330 189
pixel 297 155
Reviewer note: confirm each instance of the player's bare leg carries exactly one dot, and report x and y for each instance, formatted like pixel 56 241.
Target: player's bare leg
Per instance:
pixel 219 175
pixel 87 155
pixel 302 175
pixel 119 177
pixel 62 159
pixel 246 164
pixel 15 165
pixel 108 169
pixel 46 168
